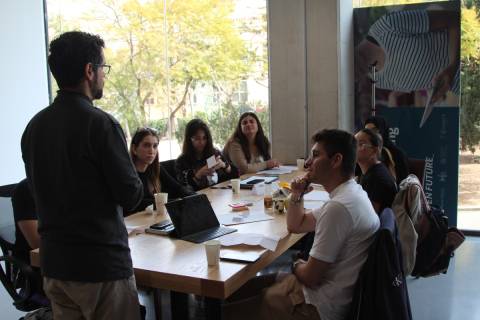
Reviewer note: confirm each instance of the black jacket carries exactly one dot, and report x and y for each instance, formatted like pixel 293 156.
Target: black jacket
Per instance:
pixel 81 175
pixel 381 290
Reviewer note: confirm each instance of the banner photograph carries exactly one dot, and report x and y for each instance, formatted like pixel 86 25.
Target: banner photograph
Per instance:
pixel 407 76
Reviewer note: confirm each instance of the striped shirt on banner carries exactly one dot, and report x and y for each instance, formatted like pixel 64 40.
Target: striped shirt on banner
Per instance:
pixel 413 55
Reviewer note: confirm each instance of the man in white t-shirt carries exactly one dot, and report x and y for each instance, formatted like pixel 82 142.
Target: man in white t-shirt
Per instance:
pixel 322 287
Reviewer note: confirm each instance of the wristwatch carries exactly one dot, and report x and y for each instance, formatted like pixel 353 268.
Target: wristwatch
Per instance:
pixel 296 199
pixel 294 265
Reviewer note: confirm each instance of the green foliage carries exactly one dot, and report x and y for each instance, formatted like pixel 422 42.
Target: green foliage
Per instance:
pixel 181 125
pixel 200 39
pixel 470 99
pixel 222 122
pixel 374 3
pixel 161 125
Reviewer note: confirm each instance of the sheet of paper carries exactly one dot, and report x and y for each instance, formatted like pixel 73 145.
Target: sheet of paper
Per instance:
pixel 241 217
pixel 252 239
pixel 211 162
pixel 134 230
pixel 278 171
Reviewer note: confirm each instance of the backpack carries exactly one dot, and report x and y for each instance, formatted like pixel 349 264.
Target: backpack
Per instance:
pixel 409 205
pixel 436 243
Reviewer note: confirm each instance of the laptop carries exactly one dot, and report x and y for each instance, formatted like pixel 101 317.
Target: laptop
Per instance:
pixel 194 219
pixel 253 180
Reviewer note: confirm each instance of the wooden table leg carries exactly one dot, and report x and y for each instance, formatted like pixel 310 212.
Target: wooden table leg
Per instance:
pixel 213 309
pixel 179 305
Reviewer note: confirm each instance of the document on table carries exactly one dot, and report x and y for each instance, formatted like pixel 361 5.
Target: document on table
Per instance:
pixel 243 217
pixel 134 230
pixel 252 239
pixel 278 171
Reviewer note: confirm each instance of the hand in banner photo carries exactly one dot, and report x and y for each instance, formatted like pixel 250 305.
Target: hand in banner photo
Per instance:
pixel 414 51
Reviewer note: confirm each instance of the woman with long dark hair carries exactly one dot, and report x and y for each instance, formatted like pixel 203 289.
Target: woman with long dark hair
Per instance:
pixel 398 157
pixel 248 148
pixel 144 154
pixel 376 179
pixel 191 165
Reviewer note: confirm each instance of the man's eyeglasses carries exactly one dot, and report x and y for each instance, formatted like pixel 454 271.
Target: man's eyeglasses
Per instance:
pixel 364 145
pixel 106 67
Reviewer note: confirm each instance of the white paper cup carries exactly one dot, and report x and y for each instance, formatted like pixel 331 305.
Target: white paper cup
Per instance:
pixel 160 200
pixel 212 249
pixel 301 164
pixel 235 185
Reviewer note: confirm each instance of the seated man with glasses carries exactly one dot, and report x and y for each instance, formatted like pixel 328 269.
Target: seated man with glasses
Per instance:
pixel 375 179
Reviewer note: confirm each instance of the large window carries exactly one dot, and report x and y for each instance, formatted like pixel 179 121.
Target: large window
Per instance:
pixel 469 164
pixel 173 60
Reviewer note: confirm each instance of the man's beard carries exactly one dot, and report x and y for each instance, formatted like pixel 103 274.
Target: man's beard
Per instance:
pixel 97 91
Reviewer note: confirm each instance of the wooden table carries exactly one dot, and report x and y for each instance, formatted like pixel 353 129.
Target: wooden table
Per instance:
pixel 167 263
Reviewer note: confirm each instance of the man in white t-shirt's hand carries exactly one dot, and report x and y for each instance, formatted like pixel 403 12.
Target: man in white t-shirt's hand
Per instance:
pixel 321 287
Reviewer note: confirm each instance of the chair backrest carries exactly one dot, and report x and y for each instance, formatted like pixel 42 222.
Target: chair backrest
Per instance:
pixel 169 167
pixel 7 190
pixel 417 167
pixel 7 222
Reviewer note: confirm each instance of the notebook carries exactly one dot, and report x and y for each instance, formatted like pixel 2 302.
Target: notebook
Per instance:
pixel 194 219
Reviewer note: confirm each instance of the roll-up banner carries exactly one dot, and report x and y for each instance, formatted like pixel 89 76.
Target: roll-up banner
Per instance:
pixel 407 70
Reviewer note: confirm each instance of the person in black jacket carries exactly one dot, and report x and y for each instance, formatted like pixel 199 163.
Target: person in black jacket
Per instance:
pixel 375 179
pixel 191 165
pixel 398 156
pixel 81 175
pixel 144 154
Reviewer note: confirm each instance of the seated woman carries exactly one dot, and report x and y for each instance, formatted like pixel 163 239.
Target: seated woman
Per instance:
pixel 27 237
pixel 191 165
pixel 248 148
pixel 399 163
pixel 144 154
pixel 26 222
pixel 376 180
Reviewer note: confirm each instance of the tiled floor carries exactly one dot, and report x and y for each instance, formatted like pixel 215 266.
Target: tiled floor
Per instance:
pixel 445 297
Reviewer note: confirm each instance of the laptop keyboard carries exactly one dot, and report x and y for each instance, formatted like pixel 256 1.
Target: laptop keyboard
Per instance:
pixel 208 234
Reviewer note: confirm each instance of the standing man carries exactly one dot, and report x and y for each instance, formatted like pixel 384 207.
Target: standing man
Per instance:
pixel 81 176
pixel 322 287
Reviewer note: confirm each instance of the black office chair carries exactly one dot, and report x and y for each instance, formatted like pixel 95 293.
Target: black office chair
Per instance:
pixel 169 167
pixel 381 290
pixel 16 276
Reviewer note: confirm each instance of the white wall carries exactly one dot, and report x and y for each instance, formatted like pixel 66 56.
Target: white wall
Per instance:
pixel 311 71
pixel 23 84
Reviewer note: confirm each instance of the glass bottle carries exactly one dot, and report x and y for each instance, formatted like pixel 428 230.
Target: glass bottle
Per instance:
pixel 267 197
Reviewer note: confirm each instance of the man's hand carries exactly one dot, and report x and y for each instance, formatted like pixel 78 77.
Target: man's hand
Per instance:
pixel 300 186
pixel 442 83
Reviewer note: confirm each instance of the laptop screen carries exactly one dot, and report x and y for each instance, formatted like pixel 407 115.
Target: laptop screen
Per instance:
pixel 192 214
